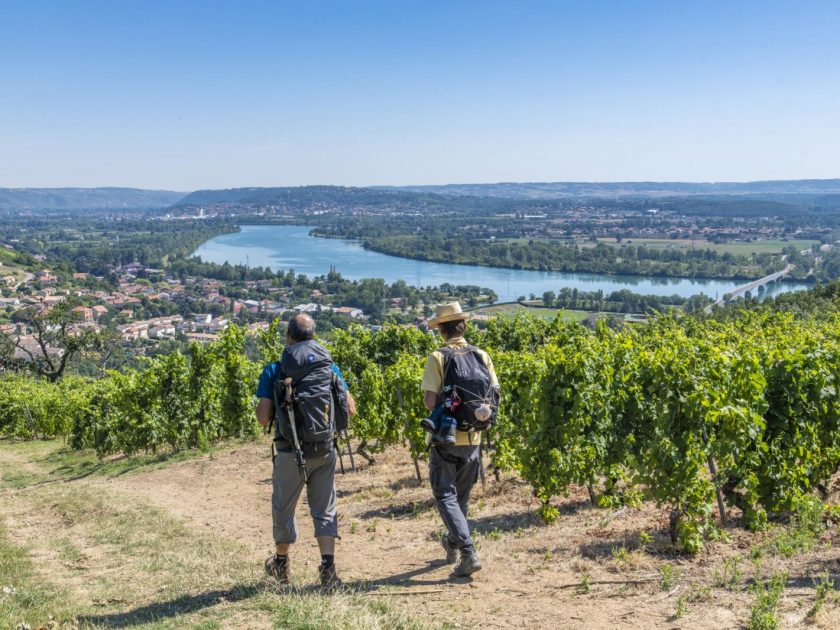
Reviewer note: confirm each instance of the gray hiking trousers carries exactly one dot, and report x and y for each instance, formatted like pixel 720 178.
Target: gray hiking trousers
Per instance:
pixel 453 471
pixel 287 484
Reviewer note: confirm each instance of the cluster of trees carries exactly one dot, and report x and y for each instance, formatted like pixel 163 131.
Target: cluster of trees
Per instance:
pixel 601 258
pixel 194 267
pixel 623 301
pixel 56 341
pixel 821 301
pixel 95 245
pixel 829 267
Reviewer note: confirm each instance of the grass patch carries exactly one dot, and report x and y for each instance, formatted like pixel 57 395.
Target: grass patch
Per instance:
pixel 729 575
pixel 346 611
pixel 585 585
pixel 764 614
pixel 58 462
pixel 24 599
pixel 17 478
pixel 801 535
pixel 823 588
pixel 548 314
pixel 669 575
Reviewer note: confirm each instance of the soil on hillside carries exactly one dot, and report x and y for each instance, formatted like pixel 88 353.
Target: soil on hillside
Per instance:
pixel 593 568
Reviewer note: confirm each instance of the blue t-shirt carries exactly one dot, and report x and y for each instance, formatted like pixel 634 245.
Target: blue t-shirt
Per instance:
pixel 271 372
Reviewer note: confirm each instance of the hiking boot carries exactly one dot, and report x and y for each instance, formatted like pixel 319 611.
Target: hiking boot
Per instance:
pixel 329 578
pixel 452 552
pixel 278 569
pixel 443 438
pixel 468 565
pixel 427 425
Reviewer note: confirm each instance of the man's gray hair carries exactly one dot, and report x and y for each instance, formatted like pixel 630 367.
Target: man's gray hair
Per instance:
pixel 301 328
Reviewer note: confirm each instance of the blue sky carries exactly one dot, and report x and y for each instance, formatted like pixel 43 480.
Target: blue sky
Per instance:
pixel 186 95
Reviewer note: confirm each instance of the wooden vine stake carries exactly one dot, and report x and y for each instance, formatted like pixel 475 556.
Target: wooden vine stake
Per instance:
pixel 31 421
pixel 713 470
pixel 399 395
pixel 350 450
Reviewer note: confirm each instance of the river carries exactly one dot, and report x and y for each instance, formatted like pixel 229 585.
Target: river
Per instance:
pixel 291 247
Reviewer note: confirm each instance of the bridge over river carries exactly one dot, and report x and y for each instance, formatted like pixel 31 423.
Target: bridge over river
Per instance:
pixel 747 290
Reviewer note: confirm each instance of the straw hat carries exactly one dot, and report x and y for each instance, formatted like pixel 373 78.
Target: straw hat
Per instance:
pixel 447 313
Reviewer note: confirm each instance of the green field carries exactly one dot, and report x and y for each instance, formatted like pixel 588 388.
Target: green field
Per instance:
pixel 548 314
pixel 769 246
pixel 7 265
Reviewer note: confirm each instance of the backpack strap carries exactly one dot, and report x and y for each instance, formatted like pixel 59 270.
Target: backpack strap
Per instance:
pixel 447 353
pixel 278 377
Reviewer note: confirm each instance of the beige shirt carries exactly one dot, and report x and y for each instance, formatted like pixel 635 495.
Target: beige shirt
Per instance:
pixel 433 382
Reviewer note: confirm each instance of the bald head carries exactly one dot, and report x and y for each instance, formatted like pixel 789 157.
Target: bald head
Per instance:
pixel 301 328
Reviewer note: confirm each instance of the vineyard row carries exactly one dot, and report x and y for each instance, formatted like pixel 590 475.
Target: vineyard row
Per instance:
pixel 631 414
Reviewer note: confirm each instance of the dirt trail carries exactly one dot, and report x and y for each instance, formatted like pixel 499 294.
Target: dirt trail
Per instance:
pixel 532 573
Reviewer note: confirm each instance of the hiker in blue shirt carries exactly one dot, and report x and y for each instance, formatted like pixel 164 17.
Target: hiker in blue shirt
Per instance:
pixel 308 365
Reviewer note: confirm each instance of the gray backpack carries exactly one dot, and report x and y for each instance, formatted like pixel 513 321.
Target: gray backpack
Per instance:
pixel 309 365
pixel 467 380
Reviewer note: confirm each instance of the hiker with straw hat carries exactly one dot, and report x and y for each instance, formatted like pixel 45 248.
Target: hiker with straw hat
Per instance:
pixel 454 467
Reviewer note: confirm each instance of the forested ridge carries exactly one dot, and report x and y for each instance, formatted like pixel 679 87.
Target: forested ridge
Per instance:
pixel 41 200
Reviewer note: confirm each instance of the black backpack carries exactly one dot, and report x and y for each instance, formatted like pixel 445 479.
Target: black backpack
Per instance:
pixel 467 377
pixel 320 401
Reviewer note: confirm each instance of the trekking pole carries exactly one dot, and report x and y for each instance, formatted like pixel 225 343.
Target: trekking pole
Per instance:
pixel 350 451
pixel 269 430
pixel 496 472
pixel 301 463
pixel 481 460
pixel 340 455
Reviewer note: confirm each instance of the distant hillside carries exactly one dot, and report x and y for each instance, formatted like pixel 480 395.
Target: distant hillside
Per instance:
pixel 418 197
pixel 559 190
pixel 309 196
pixel 304 196
pixel 64 199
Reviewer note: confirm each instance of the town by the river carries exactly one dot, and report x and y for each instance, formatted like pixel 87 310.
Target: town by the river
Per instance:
pixel 291 247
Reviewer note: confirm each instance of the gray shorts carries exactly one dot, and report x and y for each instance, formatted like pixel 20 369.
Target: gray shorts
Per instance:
pixel 287 484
